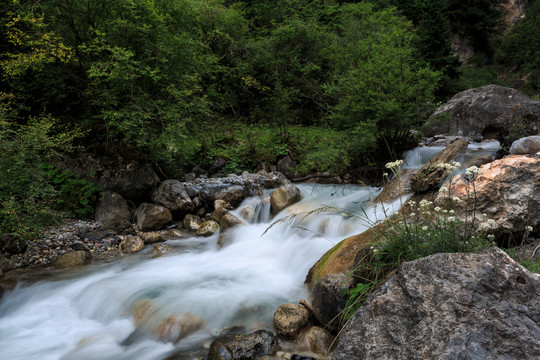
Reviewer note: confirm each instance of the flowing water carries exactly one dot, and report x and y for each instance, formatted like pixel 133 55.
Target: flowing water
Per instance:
pixel 91 313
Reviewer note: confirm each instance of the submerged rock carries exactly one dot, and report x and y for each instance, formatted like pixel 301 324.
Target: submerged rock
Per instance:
pixel 160 249
pixel 242 347
pixel 290 320
pixel 449 306
pixel 284 196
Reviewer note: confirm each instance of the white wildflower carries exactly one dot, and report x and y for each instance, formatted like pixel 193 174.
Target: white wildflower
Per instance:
pixel 528 229
pixel 395 165
pixel 443 189
pixel 456 199
pixel 437 209
pixel 452 212
pixel 451 219
pixel 472 171
pixel 424 228
pixel 491 237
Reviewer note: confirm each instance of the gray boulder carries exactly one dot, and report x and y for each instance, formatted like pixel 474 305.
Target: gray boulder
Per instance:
pixel 526 145
pixel 520 121
pixel 173 195
pixel 152 217
pixel 449 306
pixel 473 111
pixel 328 299
pixel 112 211
pixel 242 347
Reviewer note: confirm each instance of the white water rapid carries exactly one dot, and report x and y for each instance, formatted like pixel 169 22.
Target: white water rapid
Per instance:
pixel 89 313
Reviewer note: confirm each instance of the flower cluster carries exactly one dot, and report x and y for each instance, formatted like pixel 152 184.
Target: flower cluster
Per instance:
pixel 395 165
pixel 448 168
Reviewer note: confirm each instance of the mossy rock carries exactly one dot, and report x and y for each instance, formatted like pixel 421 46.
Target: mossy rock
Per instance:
pixel 341 258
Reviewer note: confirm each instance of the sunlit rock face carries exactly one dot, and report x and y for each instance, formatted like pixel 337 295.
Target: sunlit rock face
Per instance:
pixel 506 191
pixel 449 306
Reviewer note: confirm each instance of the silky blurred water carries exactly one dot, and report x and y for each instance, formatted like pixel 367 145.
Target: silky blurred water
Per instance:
pixel 89 314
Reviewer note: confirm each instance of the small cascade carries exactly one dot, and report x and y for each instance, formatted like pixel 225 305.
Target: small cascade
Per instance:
pixel 475 154
pixel 255 209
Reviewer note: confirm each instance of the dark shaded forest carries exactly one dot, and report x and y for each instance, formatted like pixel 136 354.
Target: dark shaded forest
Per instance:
pixel 335 85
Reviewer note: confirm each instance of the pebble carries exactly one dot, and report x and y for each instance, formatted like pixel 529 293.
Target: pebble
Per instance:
pixel 66 238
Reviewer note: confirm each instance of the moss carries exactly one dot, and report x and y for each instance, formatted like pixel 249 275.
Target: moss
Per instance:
pixel 324 260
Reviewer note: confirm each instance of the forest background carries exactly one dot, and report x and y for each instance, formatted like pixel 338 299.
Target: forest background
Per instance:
pixel 335 85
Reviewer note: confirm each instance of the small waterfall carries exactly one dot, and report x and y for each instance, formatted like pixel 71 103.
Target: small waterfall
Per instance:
pixel 475 152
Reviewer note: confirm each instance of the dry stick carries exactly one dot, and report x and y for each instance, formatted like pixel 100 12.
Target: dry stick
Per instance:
pixel 534 252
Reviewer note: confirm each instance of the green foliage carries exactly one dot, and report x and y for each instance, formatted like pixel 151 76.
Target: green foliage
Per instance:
pixel 520 48
pixel 246 146
pixel 30 193
pixel 378 86
pixel 530 264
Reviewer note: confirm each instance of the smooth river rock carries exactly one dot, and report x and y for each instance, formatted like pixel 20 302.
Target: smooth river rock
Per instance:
pixel 284 196
pixel 152 216
pixel 290 320
pixel 449 306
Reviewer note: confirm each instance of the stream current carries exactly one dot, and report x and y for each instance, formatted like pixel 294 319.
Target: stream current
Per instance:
pixel 89 313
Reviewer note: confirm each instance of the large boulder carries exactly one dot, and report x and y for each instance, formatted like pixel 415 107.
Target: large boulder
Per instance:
pixel 449 306
pixel 242 347
pixel 520 121
pixel 112 211
pixel 290 320
pixel 152 217
pixel 473 111
pixel 526 145
pixel 12 244
pixel 506 191
pixel 284 196
pixel 342 258
pixel 173 195
pixel 430 175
